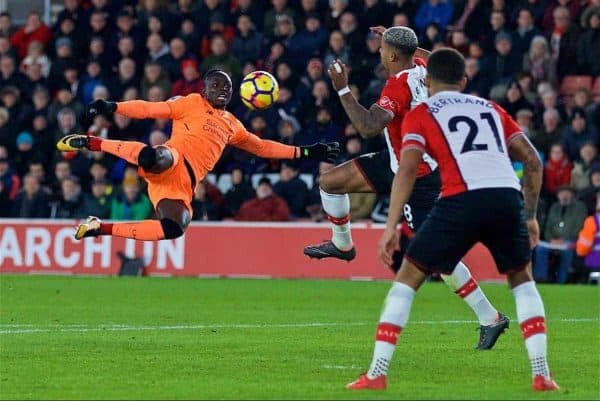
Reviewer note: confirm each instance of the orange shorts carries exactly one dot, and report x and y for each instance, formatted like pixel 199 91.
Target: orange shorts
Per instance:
pixel 174 183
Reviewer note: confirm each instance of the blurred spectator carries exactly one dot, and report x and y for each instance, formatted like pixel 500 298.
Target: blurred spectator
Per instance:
pixel 131 204
pixel 353 36
pixel 280 8
pixel 525 32
pixel 538 61
pixel 70 204
pixel 557 171
pixel 265 207
pixel 154 75
pixel 459 41
pixel 25 153
pixel 31 202
pixel 8 177
pixel 240 191
pixel 220 58
pixel 580 176
pixel 172 62
pixel 251 8
pixel 589 43
pixel 34 30
pixel 549 21
pixel 308 42
pixel 6 26
pixel 438 11
pixel 157 137
pixel 62 170
pixel 204 208
pixel 431 36
pixel 157 48
pixel 19 112
pixel 504 65
pixel 563 224
pixel 292 189
pixel 524 118
pixel 514 100
pixel 563 42
pixel 36 55
pixel 578 133
pixel 369 58
pixel 247 44
pixel 588 240
pixel 191 81
pixel 6 133
pixel 9 74
pixel 64 99
pixel 588 195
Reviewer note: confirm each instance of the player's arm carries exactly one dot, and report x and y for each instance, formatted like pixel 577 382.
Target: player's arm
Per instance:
pixel 133 108
pixel 274 150
pixel 368 122
pixel 521 149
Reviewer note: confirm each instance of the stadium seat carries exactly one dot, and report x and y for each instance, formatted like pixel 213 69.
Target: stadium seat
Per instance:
pixel 274 177
pixel 596 90
pixel 308 179
pixel 212 178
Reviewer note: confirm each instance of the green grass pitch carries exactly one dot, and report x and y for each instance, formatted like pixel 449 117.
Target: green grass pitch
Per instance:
pixel 151 338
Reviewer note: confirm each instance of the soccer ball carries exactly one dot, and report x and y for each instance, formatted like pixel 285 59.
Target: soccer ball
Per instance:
pixel 259 90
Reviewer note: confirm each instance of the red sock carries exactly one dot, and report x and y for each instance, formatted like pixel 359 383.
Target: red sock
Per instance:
pixel 94 143
pixel 128 150
pixel 145 230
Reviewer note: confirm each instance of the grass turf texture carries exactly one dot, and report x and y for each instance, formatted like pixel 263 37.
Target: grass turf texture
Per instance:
pixel 149 338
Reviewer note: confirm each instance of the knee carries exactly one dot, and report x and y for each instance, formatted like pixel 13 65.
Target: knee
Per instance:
pixel 171 228
pixel 147 158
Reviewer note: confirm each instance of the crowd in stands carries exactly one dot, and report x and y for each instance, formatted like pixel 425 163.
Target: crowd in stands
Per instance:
pixel 539 59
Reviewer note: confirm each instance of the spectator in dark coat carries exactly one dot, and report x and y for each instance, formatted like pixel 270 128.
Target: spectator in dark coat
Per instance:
pixel 504 65
pixel 32 201
pixel 171 63
pixel 588 195
pixel 309 42
pixel 497 25
pixel 525 32
pixel 589 45
pixel 247 44
pixel 478 84
pixel 9 74
pixel 8 177
pixel 578 133
pixel 292 189
pixel 97 202
pixel 265 207
pixel 240 192
pixel 70 205
pixel 552 132
pixel 514 100
pixel 437 11
pixel 204 208
pixel 563 42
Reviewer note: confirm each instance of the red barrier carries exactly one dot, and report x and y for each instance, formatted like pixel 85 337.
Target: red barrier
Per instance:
pixel 207 249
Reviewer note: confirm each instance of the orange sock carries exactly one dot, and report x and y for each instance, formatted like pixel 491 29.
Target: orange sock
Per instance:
pixel 145 230
pixel 128 150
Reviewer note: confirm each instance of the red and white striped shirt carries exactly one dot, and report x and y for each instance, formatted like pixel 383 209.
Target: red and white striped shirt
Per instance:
pixel 468 137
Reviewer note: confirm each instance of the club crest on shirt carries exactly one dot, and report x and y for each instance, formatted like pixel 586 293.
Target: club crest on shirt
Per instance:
pixel 386 102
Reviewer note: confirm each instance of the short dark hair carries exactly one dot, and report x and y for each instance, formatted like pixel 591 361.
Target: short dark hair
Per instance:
pixel 446 65
pixel 214 71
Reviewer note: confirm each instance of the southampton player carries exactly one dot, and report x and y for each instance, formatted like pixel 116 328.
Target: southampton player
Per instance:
pixel 201 130
pixel 374 172
pixel 481 201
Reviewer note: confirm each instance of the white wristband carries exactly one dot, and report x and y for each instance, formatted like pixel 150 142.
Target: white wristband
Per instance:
pixel 343 91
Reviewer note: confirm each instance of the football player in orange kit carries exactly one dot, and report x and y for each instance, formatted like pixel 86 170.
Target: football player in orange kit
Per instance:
pixel 201 130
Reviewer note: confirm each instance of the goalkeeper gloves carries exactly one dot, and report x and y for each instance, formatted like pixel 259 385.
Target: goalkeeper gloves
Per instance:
pixel 100 107
pixel 326 152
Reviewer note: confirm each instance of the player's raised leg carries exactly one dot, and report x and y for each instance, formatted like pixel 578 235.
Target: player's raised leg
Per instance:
pixel 335 185
pixel 174 217
pixel 492 323
pixel 154 160
pixel 532 319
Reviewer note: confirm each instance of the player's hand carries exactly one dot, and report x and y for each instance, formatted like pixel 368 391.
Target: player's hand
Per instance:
pixel 388 243
pixel 534 232
pixel 379 29
pixel 100 107
pixel 338 72
pixel 323 152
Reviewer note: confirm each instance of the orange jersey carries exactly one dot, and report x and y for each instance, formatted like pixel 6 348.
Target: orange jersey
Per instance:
pixel 201 132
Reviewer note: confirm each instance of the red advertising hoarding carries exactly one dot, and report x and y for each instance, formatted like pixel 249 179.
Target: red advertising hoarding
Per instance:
pixel 224 249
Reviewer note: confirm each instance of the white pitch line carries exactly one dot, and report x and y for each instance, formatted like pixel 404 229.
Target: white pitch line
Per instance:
pixel 82 328
pixel 340 367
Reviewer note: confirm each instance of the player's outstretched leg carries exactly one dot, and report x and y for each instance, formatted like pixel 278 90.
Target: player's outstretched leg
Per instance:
pixel 393 319
pixel 492 323
pixel 335 185
pixel 532 319
pixel 154 160
pixel 174 218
